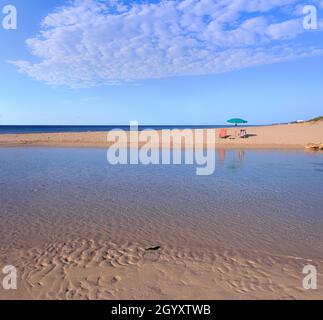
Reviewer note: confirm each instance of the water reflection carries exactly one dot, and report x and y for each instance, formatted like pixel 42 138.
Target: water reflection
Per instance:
pixel 221 154
pixel 236 158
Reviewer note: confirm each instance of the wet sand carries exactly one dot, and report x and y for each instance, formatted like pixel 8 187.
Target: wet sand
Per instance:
pixel 276 136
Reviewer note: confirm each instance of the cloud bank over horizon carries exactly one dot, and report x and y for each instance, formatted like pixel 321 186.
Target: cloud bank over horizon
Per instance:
pixel 93 42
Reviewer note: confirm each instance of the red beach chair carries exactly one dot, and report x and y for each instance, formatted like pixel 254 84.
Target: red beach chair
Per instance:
pixel 223 134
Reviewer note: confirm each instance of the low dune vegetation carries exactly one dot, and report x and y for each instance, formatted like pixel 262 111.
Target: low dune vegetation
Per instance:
pixel 320 118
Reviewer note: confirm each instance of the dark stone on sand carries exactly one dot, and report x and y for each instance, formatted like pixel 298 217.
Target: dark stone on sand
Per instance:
pixel 153 248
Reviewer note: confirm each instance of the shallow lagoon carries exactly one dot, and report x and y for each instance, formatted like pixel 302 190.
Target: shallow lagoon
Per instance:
pixel 267 200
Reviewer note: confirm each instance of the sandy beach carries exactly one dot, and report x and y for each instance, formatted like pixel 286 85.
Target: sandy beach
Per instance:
pixel 91 269
pixel 275 136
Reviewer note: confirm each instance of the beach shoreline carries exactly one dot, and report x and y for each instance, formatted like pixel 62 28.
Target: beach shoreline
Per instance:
pixel 291 136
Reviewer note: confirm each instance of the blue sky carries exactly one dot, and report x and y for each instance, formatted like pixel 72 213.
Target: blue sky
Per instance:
pixel 175 62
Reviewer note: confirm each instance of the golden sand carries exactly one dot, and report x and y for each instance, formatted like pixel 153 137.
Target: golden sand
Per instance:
pixel 276 136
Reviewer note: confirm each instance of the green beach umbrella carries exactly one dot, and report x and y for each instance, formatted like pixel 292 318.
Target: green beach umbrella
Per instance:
pixel 237 121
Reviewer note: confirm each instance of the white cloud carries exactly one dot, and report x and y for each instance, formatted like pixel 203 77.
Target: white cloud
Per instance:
pixel 96 42
pixel 285 30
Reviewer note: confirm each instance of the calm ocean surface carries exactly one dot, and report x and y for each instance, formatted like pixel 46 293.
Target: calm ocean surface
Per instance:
pixel 266 200
pixel 53 129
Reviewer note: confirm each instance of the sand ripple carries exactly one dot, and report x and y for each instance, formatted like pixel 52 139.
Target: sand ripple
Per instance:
pixel 101 269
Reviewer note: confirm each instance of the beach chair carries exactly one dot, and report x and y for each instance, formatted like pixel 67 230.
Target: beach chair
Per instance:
pixel 243 133
pixel 223 134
